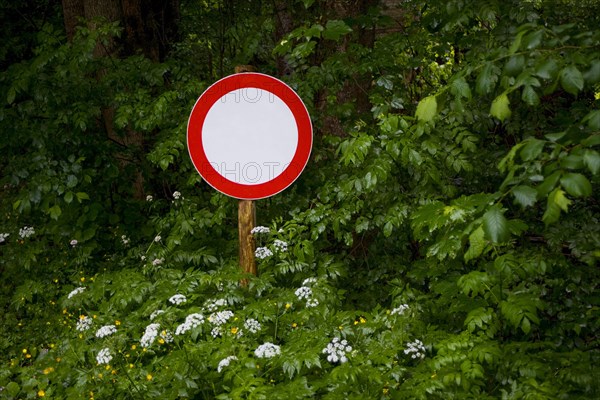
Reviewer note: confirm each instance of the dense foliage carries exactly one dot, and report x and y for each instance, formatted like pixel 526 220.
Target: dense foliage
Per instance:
pixel 443 241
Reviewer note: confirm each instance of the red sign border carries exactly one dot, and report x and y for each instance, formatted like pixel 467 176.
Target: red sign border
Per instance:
pixel 196 123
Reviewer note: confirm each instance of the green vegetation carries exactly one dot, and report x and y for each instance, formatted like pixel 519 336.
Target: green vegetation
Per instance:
pixel 442 243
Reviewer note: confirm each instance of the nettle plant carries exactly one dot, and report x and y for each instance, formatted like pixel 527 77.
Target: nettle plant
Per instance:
pixel 157 329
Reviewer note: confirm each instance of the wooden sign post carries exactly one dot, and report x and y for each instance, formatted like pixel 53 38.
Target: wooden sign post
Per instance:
pixel 249 136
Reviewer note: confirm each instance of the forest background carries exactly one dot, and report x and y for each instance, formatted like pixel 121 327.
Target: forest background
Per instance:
pixel 442 243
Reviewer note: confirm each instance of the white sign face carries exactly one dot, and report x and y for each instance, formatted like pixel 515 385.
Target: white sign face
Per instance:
pixel 250 136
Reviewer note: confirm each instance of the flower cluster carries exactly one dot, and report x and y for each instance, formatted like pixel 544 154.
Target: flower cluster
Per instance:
pixel 416 349
pixel 158 261
pixel 221 317
pixel 106 330
pixel 149 335
pixel 76 291
pixel 177 299
pixel 312 302
pixel 309 281
pixel 252 325
pixel 73 242
pixel 262 252
pixel 3 237
pixel 216 332
pixel 337 350
pixel 400 310
pixel 213 305
pixel 280 245
pixel 177 195
pixel 260 229
pixel 267 350
pixel 26 231
pixel 125 240
pixel 191 321
pixel 103 356
pixel 167 336
pixel 157 238
pixel 156 314
pixel 149 198
pixel 303 292
pixel 225 362
pixel 84 323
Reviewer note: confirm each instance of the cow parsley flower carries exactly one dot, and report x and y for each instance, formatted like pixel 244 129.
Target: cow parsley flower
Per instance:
pixel 212 305
pixel 416 349
pixel 158 261
pixel 156 314
pixel 252 325
pixel 149 335
pixel 280 245
pixel 267 350
pixel 103 356
pixel 167 336
pixel 106 330
pixel 76 291
pixel 73 242
pixel 221 317
pixel 177 299
pixel 399 310
pixel 176 195
pixel 259 230
pixel 303 292
pixel 3 237
pixel 312 302
pixel 125 240
pixel 149 198
pixel 84 323
pixel 309 281
pixel 157 238
pixel 216 332
pixel 337 350
pixel 191 321
pixel 26 231
pixel 262 252
pixel 225 363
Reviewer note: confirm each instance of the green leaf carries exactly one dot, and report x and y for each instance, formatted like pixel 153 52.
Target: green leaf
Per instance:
pixel 525 325
pixel 427 109
pixel 477 244
pixel 335 29
pixel 560 199
pixel 571 79
pixel 486 79
pixel 557 201
pixel 460 88
pixel 529 96
pixel 13 389
pixel 548 184
pixel 591 159
pixel 593 74
pixel 533 39
pixel 499 108
pixel 495 225
pixel 547 70
pixel 68 197
pixel 10 96
pixel 82 196
pixel 514 65
pixel 55 211
pixel 576 185
pixel 532 149
pixel 592 119
pixel 526 196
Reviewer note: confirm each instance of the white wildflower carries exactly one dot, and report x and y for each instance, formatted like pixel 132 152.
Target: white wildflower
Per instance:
pixel 252 325
pixel 149 198
pixel 280 245
pixel 337 350
pixel 262 252
pixel 267 350
pixel 158 261
pixel 309 281
pixel 416 349
pixel 216 332
pixel 260 229
pixel 149 335
pixel 103 356
pixel 399 310
pixel 26 231
pixel 73 242
pixel 303 292
pixel 212 305
pixel 176 195
pixel 156 314
pixel 225 362
pixel 84 323
pixel 177 299
pixel 3 237
pixel 220 318
pixel 125 240
pixel 312 302
pixel 106 330
pixel 167 336
pixel 157 238
pixel 76 291
pixel 191 321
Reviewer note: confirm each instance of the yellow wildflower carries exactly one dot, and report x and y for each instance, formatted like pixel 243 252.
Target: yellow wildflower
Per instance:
pixel 41 393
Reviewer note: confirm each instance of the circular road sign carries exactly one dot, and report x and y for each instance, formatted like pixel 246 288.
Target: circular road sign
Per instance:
pixel 249 136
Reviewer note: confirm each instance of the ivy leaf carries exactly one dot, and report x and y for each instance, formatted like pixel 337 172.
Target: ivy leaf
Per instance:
pixel 427 109
pixel 500 108
pixel 526 196
pixel 335 29
pixel 571 79
pixel 495 225
pixel 576 185
pixel 591 159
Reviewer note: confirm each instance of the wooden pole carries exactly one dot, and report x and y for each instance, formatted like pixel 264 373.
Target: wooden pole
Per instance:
pixel 246 220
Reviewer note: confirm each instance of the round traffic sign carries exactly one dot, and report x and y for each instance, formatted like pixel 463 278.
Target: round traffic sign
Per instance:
pixel 249 136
